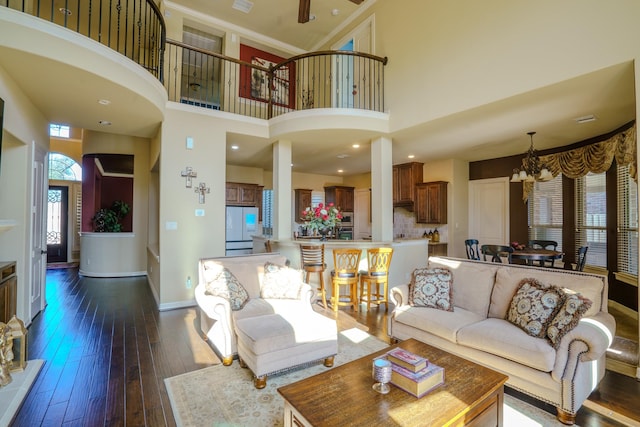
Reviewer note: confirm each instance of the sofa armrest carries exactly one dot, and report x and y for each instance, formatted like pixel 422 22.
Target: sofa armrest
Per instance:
pixel 307 294
pixel 214 307
pixel 399 295
pixel 586 342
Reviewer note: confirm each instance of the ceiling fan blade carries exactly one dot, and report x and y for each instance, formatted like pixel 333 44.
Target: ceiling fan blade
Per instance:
pixel 303 11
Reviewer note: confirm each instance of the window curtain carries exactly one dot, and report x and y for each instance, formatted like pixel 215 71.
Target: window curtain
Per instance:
pixel 596 158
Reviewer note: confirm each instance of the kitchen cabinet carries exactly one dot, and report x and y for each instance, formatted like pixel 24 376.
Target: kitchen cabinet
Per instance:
pixel 405 178
pixel 8 289
pixel 437 249
pixel 239 194
pixel 301 202
pixel 431 202
pixel 340 196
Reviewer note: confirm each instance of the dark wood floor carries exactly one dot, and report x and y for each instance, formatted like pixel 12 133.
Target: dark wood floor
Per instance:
pixel 108 350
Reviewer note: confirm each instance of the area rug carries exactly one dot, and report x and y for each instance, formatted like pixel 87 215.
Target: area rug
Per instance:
pixel 225 395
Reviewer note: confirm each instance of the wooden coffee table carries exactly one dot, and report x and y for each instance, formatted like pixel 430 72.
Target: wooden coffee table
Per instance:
pixel 471 395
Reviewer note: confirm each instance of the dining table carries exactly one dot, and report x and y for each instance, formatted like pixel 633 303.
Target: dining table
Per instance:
pixel 536 254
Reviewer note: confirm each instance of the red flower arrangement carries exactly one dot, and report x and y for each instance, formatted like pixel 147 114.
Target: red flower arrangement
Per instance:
pixel 321 216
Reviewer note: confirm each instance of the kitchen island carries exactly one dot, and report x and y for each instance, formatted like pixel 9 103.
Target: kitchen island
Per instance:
pixel 408 254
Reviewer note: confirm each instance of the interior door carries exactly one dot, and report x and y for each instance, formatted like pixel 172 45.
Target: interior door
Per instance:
pixel 57 223
pixel 38 235
pixel 489 211
pixel 350 82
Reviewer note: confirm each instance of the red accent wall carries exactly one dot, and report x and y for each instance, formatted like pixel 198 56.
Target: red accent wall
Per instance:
pixel 247 54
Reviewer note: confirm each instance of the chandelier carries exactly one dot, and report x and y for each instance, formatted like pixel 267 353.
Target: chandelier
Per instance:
pixel 532 169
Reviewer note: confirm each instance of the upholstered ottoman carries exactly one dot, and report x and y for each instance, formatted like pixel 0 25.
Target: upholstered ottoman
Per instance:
pixel 275 342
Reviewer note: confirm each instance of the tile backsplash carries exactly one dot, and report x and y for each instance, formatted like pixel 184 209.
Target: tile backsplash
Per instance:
pixel 404 223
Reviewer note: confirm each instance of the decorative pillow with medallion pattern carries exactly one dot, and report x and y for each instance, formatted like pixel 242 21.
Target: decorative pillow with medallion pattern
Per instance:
pixel 222 283
pixel 281 282
pixel 567 318
pixel 431 287
pixel 533 306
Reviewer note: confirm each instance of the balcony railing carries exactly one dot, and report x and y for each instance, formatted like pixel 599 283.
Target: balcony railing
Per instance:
pixel 134 28
pixel 328 79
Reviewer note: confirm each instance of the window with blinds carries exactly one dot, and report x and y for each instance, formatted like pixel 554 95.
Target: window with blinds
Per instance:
pixel 627 222
pixel 267 212
pixel 545 211
pixel 591 217
pixel 317 197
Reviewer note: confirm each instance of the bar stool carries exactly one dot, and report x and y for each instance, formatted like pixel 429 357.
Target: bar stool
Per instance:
pixel 377 274
pixel 312 261
pixel 345 273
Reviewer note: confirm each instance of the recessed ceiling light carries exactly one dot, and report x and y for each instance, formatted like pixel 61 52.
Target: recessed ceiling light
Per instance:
pixel 356 145
pixel 105 122
pixel 335 12
pixel 411 156
pixel 340 171
pixel 342 156
pixel 586 119
pixel 104 102
pixel 242 5
pixel 64 11
pixel 235 147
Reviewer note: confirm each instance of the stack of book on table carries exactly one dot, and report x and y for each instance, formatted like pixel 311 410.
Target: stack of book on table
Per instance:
pixel 414 373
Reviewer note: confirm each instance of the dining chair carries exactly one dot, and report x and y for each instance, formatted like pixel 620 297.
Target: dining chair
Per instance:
pixel 544 244
pixel 268 248
pixel 471 246
pixel 345 273
pixel 582 258
pixel 376 275
pixel 496 252
pixel 312 261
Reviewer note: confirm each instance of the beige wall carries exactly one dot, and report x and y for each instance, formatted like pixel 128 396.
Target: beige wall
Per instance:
pixel 469 54
pixel 23 124
pixel 102 142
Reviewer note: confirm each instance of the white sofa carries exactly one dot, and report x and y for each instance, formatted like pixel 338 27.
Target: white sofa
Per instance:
pixel 260 318
pixel 476 329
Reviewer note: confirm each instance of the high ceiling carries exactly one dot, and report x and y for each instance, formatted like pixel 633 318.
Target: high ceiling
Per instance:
pixel 490 131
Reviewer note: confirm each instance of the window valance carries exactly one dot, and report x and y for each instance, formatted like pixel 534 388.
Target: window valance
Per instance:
pixel 596 158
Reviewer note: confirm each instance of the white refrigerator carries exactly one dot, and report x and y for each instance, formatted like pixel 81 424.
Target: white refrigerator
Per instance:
pixel 241 225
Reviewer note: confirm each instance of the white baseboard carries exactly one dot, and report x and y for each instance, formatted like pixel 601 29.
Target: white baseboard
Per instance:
pixel 176 305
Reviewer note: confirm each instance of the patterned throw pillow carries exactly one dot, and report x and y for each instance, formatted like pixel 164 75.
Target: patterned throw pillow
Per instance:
pixel 533 306
pixel 222 283
pixel 280 282
pixel 567 318
pixel 431 287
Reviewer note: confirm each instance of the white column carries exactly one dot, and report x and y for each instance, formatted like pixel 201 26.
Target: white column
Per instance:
pixel 381 190
pixel 282 224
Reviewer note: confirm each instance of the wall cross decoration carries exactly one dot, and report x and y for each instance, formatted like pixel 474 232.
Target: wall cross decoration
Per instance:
pixel 202 189
pixel 188 173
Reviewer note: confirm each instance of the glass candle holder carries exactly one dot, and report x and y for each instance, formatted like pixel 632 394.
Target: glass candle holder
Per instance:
pixel 382 375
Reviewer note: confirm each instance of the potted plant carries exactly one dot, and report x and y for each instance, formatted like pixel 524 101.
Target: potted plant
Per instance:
pixel 108 220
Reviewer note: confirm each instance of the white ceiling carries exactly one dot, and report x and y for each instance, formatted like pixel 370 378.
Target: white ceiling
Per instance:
pixel 491 131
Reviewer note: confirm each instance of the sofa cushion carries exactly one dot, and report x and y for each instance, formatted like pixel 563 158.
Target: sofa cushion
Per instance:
pixel 477 279
pixel 444 324
pixel 508 278
pixel 499 337
pixel 222 283
pixel 249 269
pixel 276 332
pixel 280 282
pixel 533 306
pixel 431 287
pixel 567 318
